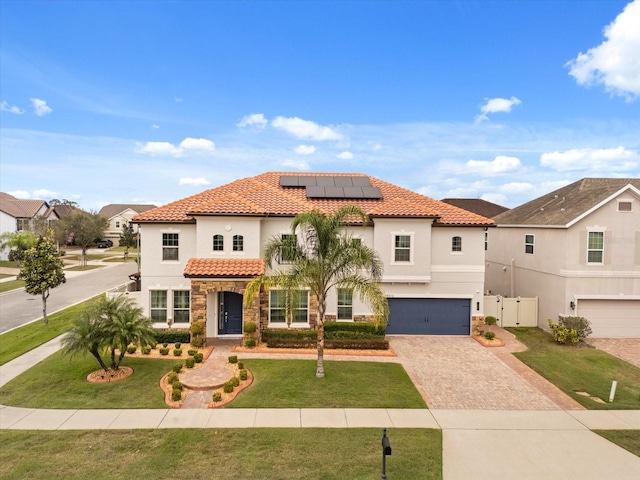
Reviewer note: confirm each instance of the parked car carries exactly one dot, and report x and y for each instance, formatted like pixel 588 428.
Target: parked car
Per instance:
pixel 104 243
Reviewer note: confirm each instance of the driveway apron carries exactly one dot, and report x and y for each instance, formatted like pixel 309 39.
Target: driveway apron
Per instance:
pixel 458 373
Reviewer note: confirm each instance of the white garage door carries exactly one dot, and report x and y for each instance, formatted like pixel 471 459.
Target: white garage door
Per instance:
pixel 611 318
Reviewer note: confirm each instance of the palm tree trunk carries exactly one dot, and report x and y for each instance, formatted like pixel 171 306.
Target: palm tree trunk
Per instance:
pixel 97 356
pixel 320 364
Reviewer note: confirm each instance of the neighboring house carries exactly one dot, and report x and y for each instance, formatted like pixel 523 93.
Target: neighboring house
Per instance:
pixel 578 250
pixel 17 215
pixel 477 205
pixel 119 215
pixel 200 252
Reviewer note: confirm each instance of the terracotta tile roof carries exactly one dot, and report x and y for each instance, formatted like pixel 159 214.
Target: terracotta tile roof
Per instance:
pixel 262 195
pixel 564 205
pixel 477 205
pixel 224 267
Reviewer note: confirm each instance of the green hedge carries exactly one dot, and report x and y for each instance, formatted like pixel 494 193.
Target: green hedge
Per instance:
pixel 172 336
pixel 359 329
pixel 354 336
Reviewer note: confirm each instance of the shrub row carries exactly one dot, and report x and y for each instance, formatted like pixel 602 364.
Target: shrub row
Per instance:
pixel 359 329
pixel 172 336
pixel 377 343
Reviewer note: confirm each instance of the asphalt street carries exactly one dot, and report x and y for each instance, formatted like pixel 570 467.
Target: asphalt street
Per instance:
pixel 18 307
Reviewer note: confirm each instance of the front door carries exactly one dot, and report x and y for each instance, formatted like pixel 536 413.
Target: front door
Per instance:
pixel 230 313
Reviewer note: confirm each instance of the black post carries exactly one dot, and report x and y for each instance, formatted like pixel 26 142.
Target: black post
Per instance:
pixel 386 450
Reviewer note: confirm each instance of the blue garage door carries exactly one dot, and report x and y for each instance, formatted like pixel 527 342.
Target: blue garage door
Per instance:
pixel 429 316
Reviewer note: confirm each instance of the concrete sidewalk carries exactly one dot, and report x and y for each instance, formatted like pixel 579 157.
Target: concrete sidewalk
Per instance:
pixel 478 444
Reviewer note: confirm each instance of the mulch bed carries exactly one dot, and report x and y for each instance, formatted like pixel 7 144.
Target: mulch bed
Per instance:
pixel 108 376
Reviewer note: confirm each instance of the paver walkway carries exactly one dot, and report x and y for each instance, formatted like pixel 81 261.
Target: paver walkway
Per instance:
pixel 627 349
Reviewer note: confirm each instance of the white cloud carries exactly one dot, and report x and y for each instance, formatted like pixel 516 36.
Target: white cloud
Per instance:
pixel 516 187
pixel 43 194
pixel 345 155
pixel 5 107
pixel 376 147
pixel 305 129
pixel 155 126
pixel 159 148
pixel 254 120
pixel 305 149
pixel 603 159
pixel 40 107
pixel 496 105
pixel 198 144
pixel 501 164
pixel 296 164
pixel 194 181
pixel 21 194
pixel 615 63
pixel 167 148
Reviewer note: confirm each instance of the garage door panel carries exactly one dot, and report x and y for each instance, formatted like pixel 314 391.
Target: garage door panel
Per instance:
pixel 429 316
pixel 611 318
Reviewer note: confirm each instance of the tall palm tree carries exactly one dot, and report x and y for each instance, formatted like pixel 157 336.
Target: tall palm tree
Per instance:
pixel 325 256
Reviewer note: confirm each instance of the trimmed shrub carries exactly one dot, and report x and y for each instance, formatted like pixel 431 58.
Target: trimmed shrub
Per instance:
pixel 131 349
pixel 490 320
pixel 198 357
pixel 172 377
pixel 243 375
pixel 240 365
pixel 177 345
pixel 379 343
pixel 249 342
pixel 233 359
pixel 177 368
pixel 176 385
pixel 197 328
pixel 489 335
pixel 216 397
pixel 146 350
pixel 364 329
pixel 176 395
pixel 250 327
pixel 172 336
pixel 277 338
pixel 197 342
pixel 569 329
pixel 235 381
pixel 228 387
pixel 192 351
pixel 165 345
pixel 164 351
pixel 190 362
pixel 177 352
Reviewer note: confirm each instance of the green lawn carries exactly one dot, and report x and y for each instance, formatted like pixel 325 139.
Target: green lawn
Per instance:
pixel 8 264
pixel 627 439
pixel 292 383
pixel 21 340
pixel 221 454
pixel 83 268
pixel 11 285
pixel 580 368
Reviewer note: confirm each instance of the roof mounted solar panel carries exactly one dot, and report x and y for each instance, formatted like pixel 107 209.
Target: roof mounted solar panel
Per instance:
pixel 325 181
pixel 372 192
pixel 353 192
pixel 315 192
pixel 289 181
pixel 361 181
pixel 334 192
pixel 330 186
pixel 307 181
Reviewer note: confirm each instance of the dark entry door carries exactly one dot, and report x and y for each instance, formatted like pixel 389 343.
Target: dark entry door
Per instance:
pixel 230 317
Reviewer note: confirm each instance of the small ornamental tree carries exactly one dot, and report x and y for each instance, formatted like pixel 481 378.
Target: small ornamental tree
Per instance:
pixel 42 270
pixel 128 238
pixel 83 227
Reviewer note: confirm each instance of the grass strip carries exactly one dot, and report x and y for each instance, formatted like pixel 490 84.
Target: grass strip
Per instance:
pixel 581 368
pixel 293 384
pixel 223 454
pixel 627 439
pixel 11 285
pixel 26 338
pixel 60 382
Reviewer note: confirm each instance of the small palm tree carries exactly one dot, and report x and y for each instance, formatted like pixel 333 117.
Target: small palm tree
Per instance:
pixel 112 324
pixel 326 257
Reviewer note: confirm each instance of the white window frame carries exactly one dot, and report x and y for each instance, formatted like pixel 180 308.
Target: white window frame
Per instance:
pixel 589 249
pixel 237 243
pixel 164 308
pixel 456 249
pixel 343 305
pixel 213 243
pixel 280 260
pixel 531 244
pixel 288 321
pixel 486 241
pixel 117 223
pixel 167 247
pixel 394 236
pixel 187 309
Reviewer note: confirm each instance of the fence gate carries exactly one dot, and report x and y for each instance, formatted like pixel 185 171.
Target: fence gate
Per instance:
pixel 512 311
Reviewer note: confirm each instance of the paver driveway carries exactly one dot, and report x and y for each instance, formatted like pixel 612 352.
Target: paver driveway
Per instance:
pixel 627 349
pixel 459 373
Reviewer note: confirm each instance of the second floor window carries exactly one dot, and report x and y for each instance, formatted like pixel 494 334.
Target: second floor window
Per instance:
pixel 288 249
pixel 170 246
pixel 238 243
pixel 402 248
pixel 218 243
pixel 595 247
pixel 456 244
pixel 528 244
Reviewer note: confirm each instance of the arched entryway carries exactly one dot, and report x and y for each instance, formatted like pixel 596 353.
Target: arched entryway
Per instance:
pixel 229 313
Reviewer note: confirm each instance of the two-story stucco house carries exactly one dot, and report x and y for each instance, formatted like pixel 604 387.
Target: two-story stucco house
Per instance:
pixel 119 215
pixel 199 253
pixel 578 250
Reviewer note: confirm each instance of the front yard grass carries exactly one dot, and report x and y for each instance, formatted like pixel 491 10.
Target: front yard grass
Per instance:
pixel 11 285
pixel 223 454
pixel 26 338
pixel 580 368
pixel 293 384
pixel 627 439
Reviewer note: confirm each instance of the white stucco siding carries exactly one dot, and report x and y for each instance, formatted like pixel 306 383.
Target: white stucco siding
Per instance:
pixel 7 224
pixel 228 227
pixel 418 268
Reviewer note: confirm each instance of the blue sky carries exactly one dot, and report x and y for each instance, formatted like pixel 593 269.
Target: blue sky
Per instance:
pixel 152 101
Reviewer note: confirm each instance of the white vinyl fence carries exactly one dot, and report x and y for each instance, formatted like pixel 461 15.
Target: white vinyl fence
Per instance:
pixel 128 289
pixel 512 312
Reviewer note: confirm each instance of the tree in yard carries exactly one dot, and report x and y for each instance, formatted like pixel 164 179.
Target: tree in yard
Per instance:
pixel 42 270
pixel 128 238
pixel 55 202
pixel 17 243
pixel 108 328
pixel 325 256
pixel 85 227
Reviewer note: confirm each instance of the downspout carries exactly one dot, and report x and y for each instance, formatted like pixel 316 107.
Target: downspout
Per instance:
pixel 512 279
